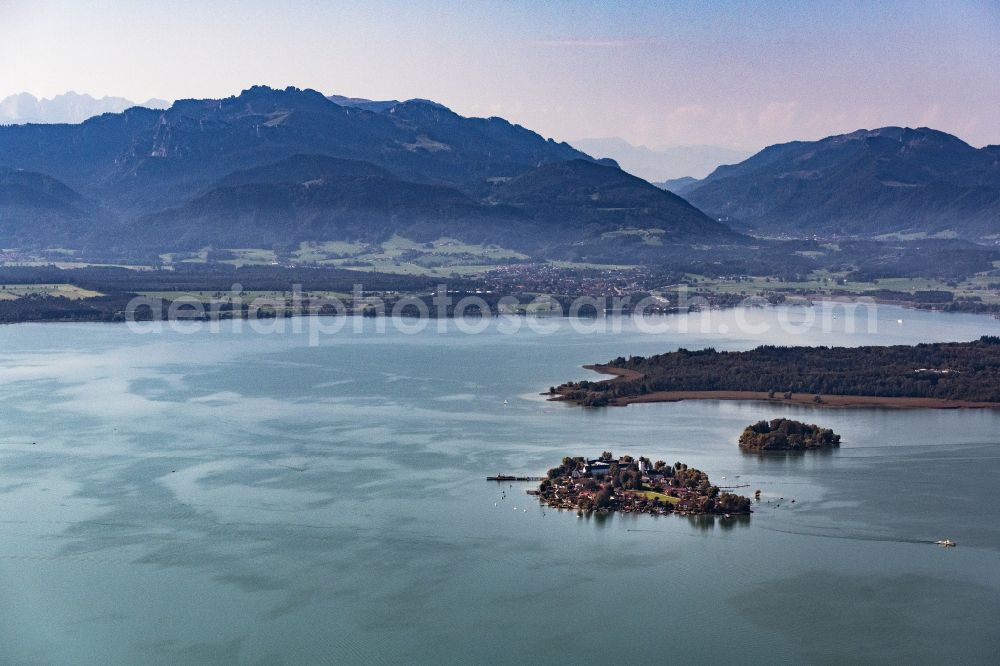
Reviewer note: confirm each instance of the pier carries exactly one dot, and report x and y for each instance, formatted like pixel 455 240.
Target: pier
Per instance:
pixel 507 477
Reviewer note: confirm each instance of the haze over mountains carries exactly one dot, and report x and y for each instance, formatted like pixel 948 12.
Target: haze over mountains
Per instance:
pixel 73 107
pixel 273 168
pixel 69 107
pixel 662 163
pixel 867 183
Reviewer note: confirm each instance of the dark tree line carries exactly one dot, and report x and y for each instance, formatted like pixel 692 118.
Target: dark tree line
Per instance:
pixel 953 370
pixel 221 277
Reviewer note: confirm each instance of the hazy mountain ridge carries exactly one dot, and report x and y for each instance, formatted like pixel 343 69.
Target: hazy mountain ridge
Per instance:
pixel 33 205
pixel 678 185
pixel 890 180
pixel 313 197
pixel 276 167
pixel 662 163
pixel 604 199
pixel 69 107
pixel 361 103
pixel 609 213
pixel 195 142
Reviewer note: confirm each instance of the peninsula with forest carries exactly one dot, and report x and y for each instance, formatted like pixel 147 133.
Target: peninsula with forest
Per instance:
pixel 635 485
pixel 937 375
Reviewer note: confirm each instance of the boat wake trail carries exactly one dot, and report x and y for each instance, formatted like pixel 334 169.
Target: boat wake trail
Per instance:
pixel 849 537
pixel 823 535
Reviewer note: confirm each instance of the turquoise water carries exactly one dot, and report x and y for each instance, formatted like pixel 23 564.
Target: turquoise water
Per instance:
pixel 222 497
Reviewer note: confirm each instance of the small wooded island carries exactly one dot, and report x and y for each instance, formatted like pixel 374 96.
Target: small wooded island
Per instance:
pixel 787 435
pixel 635 486
pixel 947 374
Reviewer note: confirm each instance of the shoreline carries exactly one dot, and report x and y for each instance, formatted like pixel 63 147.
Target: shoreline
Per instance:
pixel 113 318
pixel 801 399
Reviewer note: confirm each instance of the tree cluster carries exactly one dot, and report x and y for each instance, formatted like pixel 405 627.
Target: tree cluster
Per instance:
pixel 786 435
pixel 953 371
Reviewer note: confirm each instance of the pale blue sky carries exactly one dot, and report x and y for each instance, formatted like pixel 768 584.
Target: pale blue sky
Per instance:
pixel 740 74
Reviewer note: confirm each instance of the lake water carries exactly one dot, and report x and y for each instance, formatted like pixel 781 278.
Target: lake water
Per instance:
pixel 247 497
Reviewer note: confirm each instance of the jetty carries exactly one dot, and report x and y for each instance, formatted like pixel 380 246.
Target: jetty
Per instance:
pixel 508 477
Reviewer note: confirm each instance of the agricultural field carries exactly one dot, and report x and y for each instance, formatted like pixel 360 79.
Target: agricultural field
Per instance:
pixel 329 251
pixel 587 266
pixel 10 292
pixel 251 257
pixel 444 257
pixel 199 257
pixel 646 236
pixel 823 283
pixel 245 297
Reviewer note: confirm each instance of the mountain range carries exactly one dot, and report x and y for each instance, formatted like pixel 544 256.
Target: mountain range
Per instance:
pixel 273 168
pixel 69 107
pixel 869 183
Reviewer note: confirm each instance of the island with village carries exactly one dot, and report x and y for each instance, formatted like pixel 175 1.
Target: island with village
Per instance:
pixel 636 485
